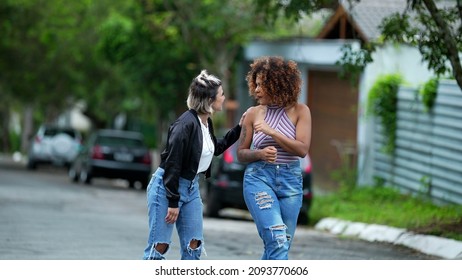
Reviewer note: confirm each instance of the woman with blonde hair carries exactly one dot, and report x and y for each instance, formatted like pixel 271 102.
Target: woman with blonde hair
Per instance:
pixel 173 194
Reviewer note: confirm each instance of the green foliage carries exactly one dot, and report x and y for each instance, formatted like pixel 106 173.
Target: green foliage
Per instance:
pixel 386 206
pixel 219 121
pixel 428 93
pixel 382 103
pixel 215 31
pixel 345 177
pixel 353 62
pixel 115 37
pixel 15 140
pixel 139 47
pixel 425 185
pixel 293 9
pixel 49 55
pixel 397 28
pixel 435 31
pixel 346 174
pixel 133 57
pixel 307 26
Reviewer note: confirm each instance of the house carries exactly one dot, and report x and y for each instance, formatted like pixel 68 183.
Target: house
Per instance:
pixel 341 133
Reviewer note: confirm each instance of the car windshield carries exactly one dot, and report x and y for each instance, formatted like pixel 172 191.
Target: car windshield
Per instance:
pixel 53 131
pixel 118 141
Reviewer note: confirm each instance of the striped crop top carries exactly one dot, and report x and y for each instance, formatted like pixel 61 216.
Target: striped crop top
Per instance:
pixel 276 117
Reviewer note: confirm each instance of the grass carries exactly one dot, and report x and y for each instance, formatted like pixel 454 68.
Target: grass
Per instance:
pixel 386 206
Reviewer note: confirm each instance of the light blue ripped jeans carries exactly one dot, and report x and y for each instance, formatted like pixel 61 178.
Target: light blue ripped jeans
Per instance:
pixel 273 195
pixel 189 223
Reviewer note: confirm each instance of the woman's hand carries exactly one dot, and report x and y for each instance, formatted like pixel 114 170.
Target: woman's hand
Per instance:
pixel 268 154
pixel 262 126
pixel 172 215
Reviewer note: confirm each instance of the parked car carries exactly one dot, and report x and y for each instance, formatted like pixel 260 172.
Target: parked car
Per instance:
pixel 113 154
pixel 224 188
pixel 53 145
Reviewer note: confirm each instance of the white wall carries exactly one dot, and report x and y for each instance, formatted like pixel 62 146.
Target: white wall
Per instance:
pixel 391 59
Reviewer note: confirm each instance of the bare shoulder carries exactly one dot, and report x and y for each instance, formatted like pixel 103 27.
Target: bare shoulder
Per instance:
pixel 253 111
pixel 297 110
pixel 302 109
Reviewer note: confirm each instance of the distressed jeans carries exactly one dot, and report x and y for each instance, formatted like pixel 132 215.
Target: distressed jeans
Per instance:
pixel 273 195
pixel 189 224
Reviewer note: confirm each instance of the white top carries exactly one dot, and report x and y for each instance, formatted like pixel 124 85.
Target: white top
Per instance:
pixel 207 149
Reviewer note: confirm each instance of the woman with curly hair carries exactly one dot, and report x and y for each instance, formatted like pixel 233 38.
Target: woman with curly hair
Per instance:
pixel 275 135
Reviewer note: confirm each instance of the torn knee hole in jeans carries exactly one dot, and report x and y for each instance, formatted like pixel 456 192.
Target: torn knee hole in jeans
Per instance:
pixel 161 248
pixel 263 200
pixel 195 247
pixel 194 244
pixel 279 234
pixel 282 227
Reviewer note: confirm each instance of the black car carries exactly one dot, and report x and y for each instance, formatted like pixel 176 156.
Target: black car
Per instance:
pixel 114 154
pixel 224 188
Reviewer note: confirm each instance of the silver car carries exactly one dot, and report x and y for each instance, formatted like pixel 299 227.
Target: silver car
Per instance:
pixel 53 145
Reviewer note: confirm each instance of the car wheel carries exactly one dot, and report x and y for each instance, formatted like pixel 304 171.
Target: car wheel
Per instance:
pixel 73 175
pixel 31 164
pixel 213 205
pixel 131 184
pixel 144 183
pixel 85 177
pixel 137 184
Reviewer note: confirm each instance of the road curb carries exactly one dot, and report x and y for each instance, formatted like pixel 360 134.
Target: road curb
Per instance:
pixel 428 244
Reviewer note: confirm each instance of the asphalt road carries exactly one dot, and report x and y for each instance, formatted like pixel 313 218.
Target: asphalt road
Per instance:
pixel 43 216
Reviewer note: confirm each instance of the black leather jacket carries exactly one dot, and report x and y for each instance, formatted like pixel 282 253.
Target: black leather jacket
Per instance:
pixel 182 153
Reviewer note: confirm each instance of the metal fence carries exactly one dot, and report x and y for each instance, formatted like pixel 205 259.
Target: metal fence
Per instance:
pixel 428 156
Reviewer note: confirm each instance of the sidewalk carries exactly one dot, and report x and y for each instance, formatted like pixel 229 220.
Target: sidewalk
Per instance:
pixel 428 244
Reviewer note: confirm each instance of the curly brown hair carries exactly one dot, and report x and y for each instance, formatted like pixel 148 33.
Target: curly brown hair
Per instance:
pixel 281 80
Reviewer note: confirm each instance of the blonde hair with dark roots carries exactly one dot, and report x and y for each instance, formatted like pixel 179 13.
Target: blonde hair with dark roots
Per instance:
pixel 281 79
pixel 203 92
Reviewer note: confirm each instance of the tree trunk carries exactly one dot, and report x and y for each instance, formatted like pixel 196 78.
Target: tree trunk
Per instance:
pixel 4 130
pixel 27 131
pixel 449 39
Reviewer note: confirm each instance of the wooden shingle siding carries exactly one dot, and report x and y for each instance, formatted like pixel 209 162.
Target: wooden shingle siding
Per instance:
pixel 428 154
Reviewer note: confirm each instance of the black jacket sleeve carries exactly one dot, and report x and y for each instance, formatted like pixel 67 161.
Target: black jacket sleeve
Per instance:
pixel 227 141
pixel 177 142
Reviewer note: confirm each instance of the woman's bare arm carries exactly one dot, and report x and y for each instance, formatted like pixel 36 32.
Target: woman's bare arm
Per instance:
pixel 244 153
pixel 301 144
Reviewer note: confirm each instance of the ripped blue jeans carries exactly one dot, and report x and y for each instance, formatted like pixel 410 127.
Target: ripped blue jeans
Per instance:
pixel 189 224
pixel 273 194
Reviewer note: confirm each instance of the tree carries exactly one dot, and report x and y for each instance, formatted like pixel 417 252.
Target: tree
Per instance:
pixel 37 57
pixel 48 61
pixel 434 27
pixel 293 9
pixel 144 45
pixel 134 57
pixel 215 31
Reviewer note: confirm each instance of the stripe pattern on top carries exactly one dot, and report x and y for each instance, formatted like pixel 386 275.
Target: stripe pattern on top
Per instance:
pixel 276 117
